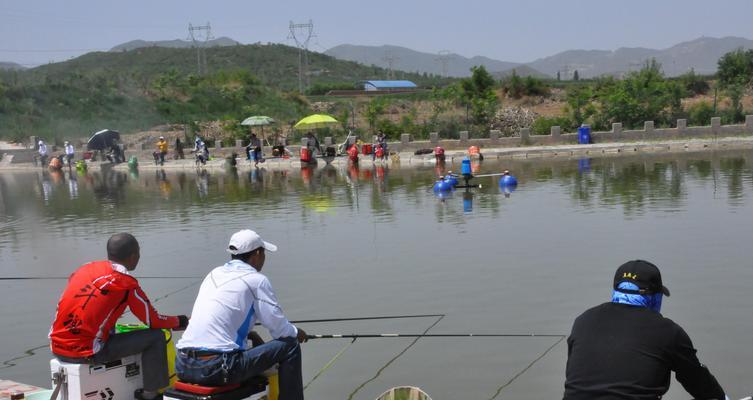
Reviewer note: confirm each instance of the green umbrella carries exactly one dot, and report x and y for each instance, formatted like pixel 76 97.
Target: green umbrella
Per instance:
pixel 258 120
pixel 316 121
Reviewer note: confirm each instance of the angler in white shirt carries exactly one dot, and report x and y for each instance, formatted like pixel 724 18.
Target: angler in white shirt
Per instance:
pixel 213 350
pixel 69 152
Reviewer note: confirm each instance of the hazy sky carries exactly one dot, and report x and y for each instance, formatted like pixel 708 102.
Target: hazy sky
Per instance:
pixel 35 31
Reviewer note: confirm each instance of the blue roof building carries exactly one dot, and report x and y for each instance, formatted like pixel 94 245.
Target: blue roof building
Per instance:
pixel 389 85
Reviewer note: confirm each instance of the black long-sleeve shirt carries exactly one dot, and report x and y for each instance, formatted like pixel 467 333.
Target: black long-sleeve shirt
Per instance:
pixel 617 351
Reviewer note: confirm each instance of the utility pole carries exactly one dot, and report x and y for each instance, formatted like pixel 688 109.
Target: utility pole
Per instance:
pixel 444 58
pixel 390 59
pixel 302 34
pixel 200 35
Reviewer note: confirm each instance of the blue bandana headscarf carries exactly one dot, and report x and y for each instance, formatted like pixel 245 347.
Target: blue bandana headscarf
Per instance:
pixel 650 301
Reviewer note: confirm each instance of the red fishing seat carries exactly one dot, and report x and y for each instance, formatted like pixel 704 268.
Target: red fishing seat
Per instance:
pixel 237 391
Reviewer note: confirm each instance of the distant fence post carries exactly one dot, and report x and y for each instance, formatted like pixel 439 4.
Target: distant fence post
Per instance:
pixel 494 135
pixel 648 126
pixel 716 125
pixel 238 142
pixel 463 136
pixel 525 135
pixel 434 137
pixel 749 123
pixel 682 124
pixel 555 131
pixel 617 128
pixel 405 138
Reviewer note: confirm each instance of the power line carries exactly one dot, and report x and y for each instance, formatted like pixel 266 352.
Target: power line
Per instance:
pixel 302 34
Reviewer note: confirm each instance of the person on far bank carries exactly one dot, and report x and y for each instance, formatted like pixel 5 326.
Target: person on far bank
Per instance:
pixel 253 150
pixel 313 143
pixel 213 351
pixel 625 349
pixel 159 155
pixel 69 152
pixel 179 150
pixel 42 151
pixel 95 297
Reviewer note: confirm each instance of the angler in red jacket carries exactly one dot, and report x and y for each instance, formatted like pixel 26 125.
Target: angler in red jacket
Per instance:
pixel 95 297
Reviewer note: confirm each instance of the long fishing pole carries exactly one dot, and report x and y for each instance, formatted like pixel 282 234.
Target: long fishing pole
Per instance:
pixel 406 335
pixel 311 321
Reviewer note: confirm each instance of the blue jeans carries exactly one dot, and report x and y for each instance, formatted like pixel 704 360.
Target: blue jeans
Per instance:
pixel 239 366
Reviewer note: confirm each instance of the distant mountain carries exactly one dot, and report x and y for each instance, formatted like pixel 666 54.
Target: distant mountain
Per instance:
pixel 10 66
pixel 177 43
pixel 404 59
pixel 700 54
pixel 522 70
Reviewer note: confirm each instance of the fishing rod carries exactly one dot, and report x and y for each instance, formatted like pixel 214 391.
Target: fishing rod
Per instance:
pixel 52 278
pixel 311 321
pixel 485 175
pixel 406 335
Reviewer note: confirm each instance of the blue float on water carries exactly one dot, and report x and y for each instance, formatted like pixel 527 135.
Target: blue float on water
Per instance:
pixel 507 181
pixel 442 185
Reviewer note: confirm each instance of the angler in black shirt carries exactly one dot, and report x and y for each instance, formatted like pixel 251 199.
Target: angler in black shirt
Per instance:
pixel 626 349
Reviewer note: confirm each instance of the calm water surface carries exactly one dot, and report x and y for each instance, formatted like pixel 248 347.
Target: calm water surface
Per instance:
pixel 376 241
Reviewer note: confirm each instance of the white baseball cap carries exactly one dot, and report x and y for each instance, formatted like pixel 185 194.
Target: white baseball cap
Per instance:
pixel 246 241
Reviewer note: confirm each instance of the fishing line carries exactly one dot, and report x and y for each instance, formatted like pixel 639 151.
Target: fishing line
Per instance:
pixel 379 372
pixel 329 363
pixel 27 353
pixel 516 376
pixel 403 335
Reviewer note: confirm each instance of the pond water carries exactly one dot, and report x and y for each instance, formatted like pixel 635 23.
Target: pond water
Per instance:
pixel 377 241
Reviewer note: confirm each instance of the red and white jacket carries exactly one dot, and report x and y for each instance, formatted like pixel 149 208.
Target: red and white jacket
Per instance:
pixel 96 296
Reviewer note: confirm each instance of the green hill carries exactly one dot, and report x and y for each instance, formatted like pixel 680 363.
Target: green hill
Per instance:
pixel 134 90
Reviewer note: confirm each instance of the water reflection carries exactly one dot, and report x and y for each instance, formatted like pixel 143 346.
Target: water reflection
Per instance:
pixel 634 184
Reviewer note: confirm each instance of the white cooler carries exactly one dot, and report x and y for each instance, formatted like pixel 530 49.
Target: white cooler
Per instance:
pixel 116 380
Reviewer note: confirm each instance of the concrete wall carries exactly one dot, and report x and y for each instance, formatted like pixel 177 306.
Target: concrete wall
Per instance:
pixel 556 137
pixel 494 140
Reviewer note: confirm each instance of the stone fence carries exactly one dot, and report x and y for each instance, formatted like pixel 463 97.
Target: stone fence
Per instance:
pixel 495 140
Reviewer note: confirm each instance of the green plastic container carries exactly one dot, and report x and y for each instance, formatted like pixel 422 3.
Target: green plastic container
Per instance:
pixel 125 328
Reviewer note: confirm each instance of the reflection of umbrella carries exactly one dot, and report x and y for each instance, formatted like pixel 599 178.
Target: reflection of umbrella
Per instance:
pixel 317 203
pixel 103 139
pixel 316 121
pixel 258 120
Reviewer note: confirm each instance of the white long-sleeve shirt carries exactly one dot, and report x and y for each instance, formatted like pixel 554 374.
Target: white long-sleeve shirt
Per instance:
pixel 42 149
pixel 230 301
pixel 69 149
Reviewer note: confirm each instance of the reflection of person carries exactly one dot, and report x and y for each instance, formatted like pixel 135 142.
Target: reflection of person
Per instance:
pixel 213 350
pixel 95 297
pixel 627 349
